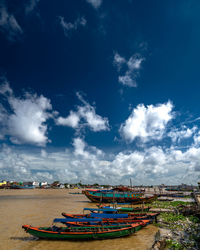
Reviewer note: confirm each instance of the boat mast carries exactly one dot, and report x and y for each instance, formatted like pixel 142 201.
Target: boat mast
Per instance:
pixel 130 183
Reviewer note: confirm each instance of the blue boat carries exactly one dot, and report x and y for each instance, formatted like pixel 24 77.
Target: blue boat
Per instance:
pixel 106 215
pixel 21 186
pixel 63 220
pixel 103 210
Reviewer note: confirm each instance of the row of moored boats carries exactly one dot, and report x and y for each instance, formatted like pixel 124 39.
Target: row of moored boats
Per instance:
pixel 99 223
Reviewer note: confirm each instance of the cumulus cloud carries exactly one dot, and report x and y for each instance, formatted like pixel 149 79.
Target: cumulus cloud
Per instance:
pixel 68 27
pixel 79 147
pixel 26 123
pixel 9 24
pixel 82 149
pixel 72 120
pixel 133 66
pixel 154 165
pixel 147 122
pixel 95 3
pixel 85 116
pixel 93 121
pixel 179 134
pixel 197 138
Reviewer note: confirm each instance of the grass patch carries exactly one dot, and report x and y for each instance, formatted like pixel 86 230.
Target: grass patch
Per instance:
pixel 167 204
pixel 170 217
pixel 172 221
pixel 172 244
pixel 194 219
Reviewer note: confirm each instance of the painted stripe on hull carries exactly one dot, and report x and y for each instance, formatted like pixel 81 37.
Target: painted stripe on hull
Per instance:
pixel 81 235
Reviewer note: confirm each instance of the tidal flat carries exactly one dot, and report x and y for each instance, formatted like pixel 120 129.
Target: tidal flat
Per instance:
pixel 38 207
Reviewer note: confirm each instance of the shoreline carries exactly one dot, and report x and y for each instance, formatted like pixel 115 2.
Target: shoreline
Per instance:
pixel 39 207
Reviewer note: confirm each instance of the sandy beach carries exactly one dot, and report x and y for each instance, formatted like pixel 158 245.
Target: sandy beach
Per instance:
pixel 39 207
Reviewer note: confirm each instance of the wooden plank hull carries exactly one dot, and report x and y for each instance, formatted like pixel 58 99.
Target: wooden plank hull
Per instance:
pixel 119 198
pixel 78 233
pixel 131 217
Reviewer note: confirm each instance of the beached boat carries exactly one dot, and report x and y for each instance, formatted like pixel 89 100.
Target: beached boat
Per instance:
pixel 81 233
pixel 99 222
pixel 110 214
pixel 128 209
pixel 122 197
pixel 22 187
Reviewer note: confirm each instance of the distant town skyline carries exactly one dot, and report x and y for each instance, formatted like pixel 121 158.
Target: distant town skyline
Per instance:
pixel 100 91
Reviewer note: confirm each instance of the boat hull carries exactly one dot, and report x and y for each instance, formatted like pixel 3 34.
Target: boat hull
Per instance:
pixel 94 234
pixel 107 197
pixel 131 217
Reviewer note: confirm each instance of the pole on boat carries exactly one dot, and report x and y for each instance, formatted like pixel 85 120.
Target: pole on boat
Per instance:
pixel 113 199
pixel 101 198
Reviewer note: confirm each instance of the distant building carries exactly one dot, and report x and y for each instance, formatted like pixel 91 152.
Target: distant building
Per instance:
pixel 3 183
pixel 42 184
pixel 36 184
pixel 62 186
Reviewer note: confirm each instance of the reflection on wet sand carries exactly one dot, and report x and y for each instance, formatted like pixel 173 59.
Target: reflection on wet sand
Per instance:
pixel 39 208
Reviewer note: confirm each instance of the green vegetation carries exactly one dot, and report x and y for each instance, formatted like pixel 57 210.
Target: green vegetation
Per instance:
pixel 167 204
pixel 172 221
pixel 185 230
pixel 194 219
pixel 171 217
pixel 172 244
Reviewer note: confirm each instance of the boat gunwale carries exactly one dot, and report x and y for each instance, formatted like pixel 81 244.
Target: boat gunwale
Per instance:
pixel 76 233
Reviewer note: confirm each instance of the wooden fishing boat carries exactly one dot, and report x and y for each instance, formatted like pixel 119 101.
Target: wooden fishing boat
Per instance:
pixel 100 222
pixel 108 212
pixel 120 197
pixel 104 216
pixel 81 233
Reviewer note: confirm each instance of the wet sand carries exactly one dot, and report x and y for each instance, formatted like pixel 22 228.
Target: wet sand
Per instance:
pixel 38 207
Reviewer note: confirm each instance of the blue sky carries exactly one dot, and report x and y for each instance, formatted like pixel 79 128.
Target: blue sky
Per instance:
pixel 100 91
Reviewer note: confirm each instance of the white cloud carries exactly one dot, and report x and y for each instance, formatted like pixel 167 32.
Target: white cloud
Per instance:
pixel 30 6
pixel 67 27
pixel 118 61
pixel 95 3
pixel 79 148
pixel 197 139
pixel 133 65
pixel 147 122
pixel 26 124
pixel 149 166
pixel 72 120
pixel 134 62
pixel 93 121
pixel 44 153
pixel 9 24
pixel 85 151
pixel 85 116
pixel 178 135
pixel 127 80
